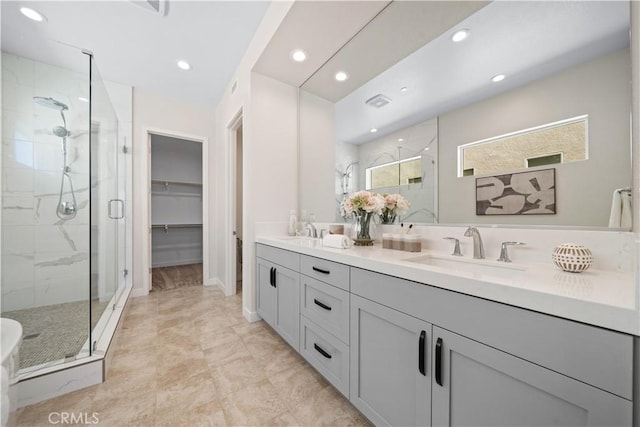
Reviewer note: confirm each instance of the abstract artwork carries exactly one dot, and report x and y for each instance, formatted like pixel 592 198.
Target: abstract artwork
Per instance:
pixel 523 193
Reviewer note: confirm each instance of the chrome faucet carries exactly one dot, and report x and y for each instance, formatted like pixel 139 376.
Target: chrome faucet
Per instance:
pixel 478 248
pixel 310 229
pixel 504 253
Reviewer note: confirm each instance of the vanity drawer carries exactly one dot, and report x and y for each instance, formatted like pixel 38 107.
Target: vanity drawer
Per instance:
pixel 329 272
pixel 326 353
pixel 290 260
pixel 326 305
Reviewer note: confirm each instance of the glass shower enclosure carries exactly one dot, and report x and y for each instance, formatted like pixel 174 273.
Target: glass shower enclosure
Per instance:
pixel 63 197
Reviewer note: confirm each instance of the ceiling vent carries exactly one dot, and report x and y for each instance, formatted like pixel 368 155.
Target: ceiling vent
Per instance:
pixel 378 101
pixel 158 7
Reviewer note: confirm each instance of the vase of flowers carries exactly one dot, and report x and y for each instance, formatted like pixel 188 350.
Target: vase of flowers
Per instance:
pixel 362 206
pixel 394 205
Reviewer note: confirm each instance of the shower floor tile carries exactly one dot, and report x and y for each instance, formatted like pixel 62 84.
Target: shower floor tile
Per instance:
pixel 54 332
pixel 213 368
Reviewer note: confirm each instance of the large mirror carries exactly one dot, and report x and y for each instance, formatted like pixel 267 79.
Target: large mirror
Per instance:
pixel 519 66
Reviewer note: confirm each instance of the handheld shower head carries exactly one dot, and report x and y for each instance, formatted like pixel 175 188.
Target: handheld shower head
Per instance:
pixel 50 103
pixel 60 131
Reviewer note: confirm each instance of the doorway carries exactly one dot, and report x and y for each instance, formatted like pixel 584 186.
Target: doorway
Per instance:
pixel 176 212
pixel 234 260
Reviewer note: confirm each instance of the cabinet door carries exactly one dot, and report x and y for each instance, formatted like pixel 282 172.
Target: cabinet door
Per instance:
pixel 474 384
pixel 390 382
pixel 287 314
pixel 266 297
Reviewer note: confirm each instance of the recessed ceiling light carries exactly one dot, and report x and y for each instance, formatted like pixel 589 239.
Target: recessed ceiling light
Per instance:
pixel 400 139
pixel 426 149
pixel 83 99
pixel 184 65
pixel 498 78
pixel 32 14
pixel 341 76
pixel 373 130
pixel 460 35
pixel 403 89
pixel 298 55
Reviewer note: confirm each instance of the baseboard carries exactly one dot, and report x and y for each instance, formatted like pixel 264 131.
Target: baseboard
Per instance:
pixel 251 316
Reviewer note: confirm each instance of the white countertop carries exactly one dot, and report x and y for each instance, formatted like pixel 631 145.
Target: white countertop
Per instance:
pixel 608 299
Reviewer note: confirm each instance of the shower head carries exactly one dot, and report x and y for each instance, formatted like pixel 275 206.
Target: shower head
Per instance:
pixel 50 103
pixel 60 131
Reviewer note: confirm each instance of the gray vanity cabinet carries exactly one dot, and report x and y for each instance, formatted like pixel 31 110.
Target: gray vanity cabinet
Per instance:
pixel 278 298
pixel 474 384
pixel 390 372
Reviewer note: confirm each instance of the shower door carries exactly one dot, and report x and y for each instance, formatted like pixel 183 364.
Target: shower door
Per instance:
pixel 108 224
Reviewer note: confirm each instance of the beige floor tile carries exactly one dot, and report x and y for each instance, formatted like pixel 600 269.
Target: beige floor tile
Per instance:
pixel 187 357
pixel 328 408
pixel 236 374
pixel 209 414
pixel 182 366
pixel 77 402
pixel 185 395
pixel 254 405
pixel 134 410
pixel 218 337
pixel 283 420
pixel 226 352
pixel 297 386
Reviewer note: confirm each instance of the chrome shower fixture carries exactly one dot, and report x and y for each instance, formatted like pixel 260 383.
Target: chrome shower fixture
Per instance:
pixel 67 209
pixel 50 103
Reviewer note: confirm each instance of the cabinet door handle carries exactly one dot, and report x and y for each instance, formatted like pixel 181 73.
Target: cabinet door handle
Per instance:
pixel 271 276
pixel 274 277
pixel 439 362
pixel 321 351
pixel 320 270
pixel 321 304
pixel 423 336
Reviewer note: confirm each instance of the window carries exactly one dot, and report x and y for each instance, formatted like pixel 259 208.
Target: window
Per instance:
pixel 407 171
pixel 551 159
pixel 553 143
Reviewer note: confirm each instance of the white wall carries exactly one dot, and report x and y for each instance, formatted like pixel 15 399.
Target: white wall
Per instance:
pixel 317 148
pixel 258 176
pixel 600 88
pixel 164 114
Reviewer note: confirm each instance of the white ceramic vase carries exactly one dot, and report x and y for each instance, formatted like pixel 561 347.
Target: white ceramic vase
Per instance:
pixel 572 257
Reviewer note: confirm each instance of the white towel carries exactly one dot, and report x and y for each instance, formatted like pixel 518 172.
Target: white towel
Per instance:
pixel 338 241
pixel 620 216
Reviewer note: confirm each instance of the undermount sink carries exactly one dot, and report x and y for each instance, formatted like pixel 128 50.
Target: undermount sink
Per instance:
pixel 311 242
pixel 468 265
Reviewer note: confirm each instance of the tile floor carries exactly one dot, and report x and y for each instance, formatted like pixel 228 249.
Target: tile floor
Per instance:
pixel 187 357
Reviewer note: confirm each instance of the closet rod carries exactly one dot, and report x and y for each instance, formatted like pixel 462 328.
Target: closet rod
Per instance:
pixel 166 227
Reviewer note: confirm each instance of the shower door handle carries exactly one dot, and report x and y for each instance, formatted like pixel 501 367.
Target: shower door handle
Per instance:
pixel 121 211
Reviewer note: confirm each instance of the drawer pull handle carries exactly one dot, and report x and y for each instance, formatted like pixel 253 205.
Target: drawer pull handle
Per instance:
pixel 320 270
pixel 423 336
pixel 323 305
pixel 321 351
pixel 439 362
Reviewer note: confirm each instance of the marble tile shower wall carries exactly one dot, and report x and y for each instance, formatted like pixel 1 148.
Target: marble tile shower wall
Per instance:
pixel 45 260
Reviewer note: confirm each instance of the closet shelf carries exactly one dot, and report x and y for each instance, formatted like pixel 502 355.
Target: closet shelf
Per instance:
pixel 165 193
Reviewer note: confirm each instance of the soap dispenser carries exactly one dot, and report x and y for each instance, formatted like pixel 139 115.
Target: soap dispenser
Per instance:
pixel 293 220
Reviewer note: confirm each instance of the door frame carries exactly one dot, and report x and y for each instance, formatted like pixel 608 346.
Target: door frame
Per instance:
pixel 146 206
pixel 232 127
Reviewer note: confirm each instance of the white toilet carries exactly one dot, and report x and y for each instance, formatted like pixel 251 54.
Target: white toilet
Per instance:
pixel 11 338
